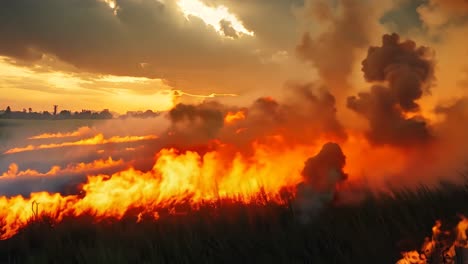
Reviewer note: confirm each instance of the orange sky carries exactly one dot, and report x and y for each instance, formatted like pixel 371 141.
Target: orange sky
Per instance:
pixel 213 47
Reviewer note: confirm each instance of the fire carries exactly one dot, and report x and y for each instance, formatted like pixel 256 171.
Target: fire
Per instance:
pixel 177 178
pixel 232 117
pixel 441 247
pixel 462 227
pixel 81 131
pixel 96 140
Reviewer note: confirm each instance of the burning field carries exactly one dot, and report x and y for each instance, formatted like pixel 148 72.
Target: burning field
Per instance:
pixel 277 180
pixel 285 167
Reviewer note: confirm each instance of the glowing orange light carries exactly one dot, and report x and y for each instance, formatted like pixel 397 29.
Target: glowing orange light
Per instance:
pixel 233 117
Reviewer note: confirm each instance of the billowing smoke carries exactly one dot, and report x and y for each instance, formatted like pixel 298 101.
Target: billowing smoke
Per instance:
pixel 321 175
pixel 196 123
pixel 438 13
pixel 57 180
pixel 348 28
pixel 404 73
pixel 306 114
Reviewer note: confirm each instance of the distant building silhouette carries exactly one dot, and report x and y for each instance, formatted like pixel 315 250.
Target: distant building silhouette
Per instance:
pixel 55 109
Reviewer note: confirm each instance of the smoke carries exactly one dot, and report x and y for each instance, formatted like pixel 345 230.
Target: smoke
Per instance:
pixel 438 13
pixel 404 72
pixel 195 123
pixel 20 132
pixel 452 144
pixel 57 180
pixel 321 175
pixel 348 27
pixel 306 115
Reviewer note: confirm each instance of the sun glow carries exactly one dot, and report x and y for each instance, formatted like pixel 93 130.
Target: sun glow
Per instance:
pixel 111 3
pixel 213 16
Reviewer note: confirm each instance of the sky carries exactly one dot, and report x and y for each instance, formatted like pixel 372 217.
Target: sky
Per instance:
pixel 152 54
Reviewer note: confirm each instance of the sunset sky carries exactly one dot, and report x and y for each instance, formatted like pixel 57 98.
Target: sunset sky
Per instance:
pixel 150 54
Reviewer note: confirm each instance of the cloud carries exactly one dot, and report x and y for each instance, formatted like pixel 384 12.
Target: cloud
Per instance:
pixel 94 39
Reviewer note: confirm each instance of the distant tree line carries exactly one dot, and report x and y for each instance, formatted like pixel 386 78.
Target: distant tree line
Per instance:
pixel 64 114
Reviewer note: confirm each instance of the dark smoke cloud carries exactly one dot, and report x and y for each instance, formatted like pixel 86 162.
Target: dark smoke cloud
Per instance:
pixel 196 123
pixel 408 69
pixel 321 175
pixel 324 170
pixel 405 72
pixel 92 37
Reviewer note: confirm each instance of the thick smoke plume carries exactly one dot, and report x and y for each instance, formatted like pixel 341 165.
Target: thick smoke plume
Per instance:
pixel 321 175
pixel 196 122
pixel 404 73
pixel 306 114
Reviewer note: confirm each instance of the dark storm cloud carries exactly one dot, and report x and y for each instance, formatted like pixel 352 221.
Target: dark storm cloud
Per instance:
pixel 405 71
pixel 87 34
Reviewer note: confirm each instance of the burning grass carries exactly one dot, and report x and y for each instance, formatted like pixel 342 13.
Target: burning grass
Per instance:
pixel 233 232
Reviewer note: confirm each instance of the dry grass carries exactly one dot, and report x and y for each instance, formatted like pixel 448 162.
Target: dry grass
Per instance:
pixel 230 232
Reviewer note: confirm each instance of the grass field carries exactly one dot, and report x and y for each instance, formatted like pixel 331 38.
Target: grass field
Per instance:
pixel 368 232
pixel 230 232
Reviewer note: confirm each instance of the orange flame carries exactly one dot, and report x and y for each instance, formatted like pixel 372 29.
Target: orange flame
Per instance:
pixel 462 227
pixel 96 140
pixel 176 178
pixel 232 117
pixel 81 131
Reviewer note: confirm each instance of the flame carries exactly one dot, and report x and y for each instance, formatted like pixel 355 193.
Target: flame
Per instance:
pixel 439 247
pixel 232 117
pixel 462 227
pixel 176 178
pixel 96 140
pixel 81 131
